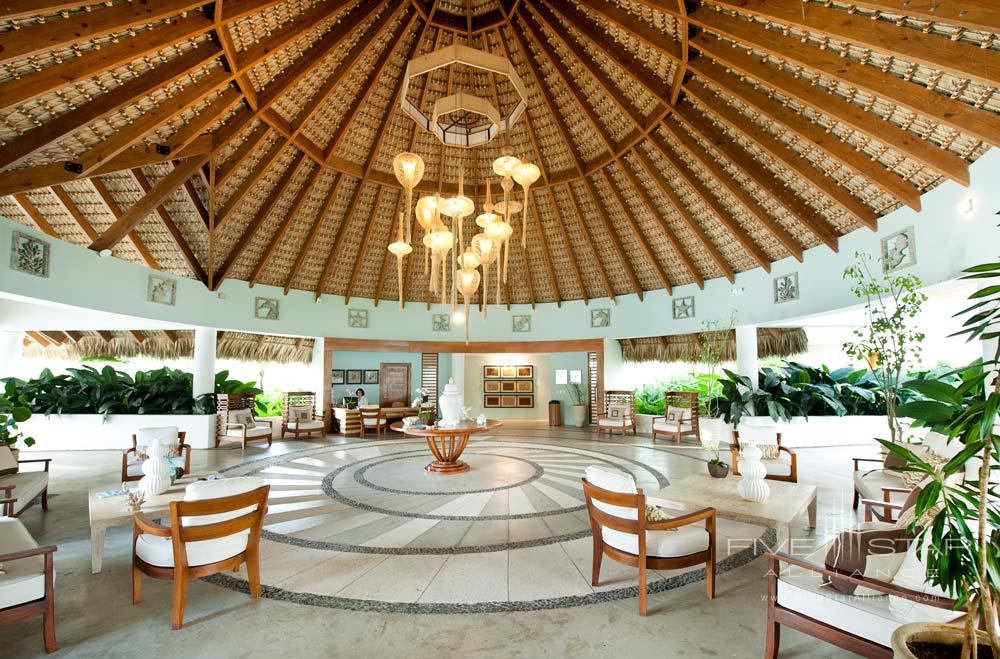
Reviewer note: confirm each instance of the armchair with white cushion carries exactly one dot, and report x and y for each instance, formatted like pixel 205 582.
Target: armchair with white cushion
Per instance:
pixel 779 461
pixel 680 418
pixel 27 580
pixel 618 520
pixel 241 424
pixel 216 528
pixel 20 488
pixel 619 413
pixel 298 414
pixel 178 453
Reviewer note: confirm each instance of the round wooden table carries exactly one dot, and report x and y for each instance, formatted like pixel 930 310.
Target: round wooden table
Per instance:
pixel 447 444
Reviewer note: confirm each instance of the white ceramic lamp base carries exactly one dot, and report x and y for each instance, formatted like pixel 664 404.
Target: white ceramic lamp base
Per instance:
pixel 752 485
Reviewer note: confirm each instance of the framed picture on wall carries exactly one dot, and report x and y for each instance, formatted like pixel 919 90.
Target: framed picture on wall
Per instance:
pixel 354 376
pixel 508 371
pixel 525 401
pixel 491 401
pixel 508 386
pixel 576 377
pixel 525 386
pixel 491 371
pixel 508 401
pixel 525 371
pixel 491 386
pixel 562 376
pixel 371 377
pixel 337 376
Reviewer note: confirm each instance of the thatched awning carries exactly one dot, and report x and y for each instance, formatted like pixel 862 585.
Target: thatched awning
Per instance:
pixel 771 342
pixel 164 344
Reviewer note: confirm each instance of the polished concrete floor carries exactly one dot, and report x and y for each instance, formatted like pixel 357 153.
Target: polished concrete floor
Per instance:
pixel 393 604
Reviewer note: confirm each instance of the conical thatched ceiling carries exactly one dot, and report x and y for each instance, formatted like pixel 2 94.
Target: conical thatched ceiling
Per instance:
pixel 679 141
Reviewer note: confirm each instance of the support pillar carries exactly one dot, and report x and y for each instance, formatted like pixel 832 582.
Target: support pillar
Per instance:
pixel 204 361
pixel 746 352
pixel 317 375
pixel 11 348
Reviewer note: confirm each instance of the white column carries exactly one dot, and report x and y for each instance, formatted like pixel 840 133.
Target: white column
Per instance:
pixel 317 379
pixel 746 352
pixel 10 352
pixel 204 360
pixel 458 375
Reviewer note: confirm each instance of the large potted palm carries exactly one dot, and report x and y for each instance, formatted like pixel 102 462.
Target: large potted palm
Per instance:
pixel 963 539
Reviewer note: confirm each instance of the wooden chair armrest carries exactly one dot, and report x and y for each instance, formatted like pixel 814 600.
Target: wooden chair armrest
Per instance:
pixel 8 489
pixel 144 523
pixel 886 489
pixel 28 553
pixel 857 460
pixel 881 504
pixel 852 578
pixel 683 520
pixel 45 460
pixel 786 450
pixel 241 426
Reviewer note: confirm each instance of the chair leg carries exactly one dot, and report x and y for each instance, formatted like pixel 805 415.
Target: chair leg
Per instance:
pixel 857 498
pixel 49 624
pixel 642 586
pixel 253 574
pixel 180 597
pixel 773 635
pixel 710 576
pixel 45 498
pixel 595 578
pixel 136 585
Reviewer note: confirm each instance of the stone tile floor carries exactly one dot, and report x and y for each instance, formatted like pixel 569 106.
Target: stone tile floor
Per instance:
pixel 461 546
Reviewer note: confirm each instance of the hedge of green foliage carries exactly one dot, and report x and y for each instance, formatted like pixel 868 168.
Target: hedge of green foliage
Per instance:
pixel 87 390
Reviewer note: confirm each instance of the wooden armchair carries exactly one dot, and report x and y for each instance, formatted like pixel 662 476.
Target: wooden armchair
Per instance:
pixel 132 458
pixel 619 412
pixel 372 418
pixel 783 468
pixel 680 418
pixel 298 414
pixel 617 511
pixel 235 420
pixel 214 529
pixel 19 489
pixel 27 583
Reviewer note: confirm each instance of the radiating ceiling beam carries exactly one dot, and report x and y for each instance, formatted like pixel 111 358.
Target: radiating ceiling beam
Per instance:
pixel 116 211
pixel 173 230
pixel 591 243
pixel 363 242
pixel 34 215
pixel 265 162
pixel 543 243
pixel 38 338
pixel 256 137
pixel 639 28
pixel 74 211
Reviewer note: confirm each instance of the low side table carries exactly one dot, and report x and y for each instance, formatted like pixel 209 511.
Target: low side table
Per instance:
pixel 447 444
pixel 109 512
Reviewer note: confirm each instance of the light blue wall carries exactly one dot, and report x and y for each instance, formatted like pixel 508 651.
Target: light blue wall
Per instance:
pixel 343 359
pixel 947 241
pixel 570 361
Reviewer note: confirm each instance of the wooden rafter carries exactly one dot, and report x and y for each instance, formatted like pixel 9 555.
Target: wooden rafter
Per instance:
pixel 116 211
pixel 281 231
pixel 38 338
pixel 318 222
pixel 256 137
pixel 259 216
pixel 383 267
pixel 131 218
pixel 570 253
pixel 138 335
pixel 171 334
pixel 74 211
pixel 199 206
pixel 544 244
pixel 54 336
pixel 173 230
pixel 684 31
pixel 265 162
pixel 642 30
pixel 34 215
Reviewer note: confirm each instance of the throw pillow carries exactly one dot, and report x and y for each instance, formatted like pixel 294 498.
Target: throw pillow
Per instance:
pixel 769 451
pixel 908 511
pixel 301 414
pixel 875 553
pixel 678 414
pixel 244 417
pixel 657 514
pixel 914 478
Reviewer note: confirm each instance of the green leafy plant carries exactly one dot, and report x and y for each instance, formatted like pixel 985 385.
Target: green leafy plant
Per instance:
pixel 649 397
pixel 713 339
pixel 890 341
pixel 575 391
pixel 963 539
pixel 11 414
pixel 269 404
pixel 713 450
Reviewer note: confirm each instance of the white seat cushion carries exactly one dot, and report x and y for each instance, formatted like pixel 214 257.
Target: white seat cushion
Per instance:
pixel 668 426
pixel 27 486
pixel 870 483
pixel 780 467
pixel 159 551
pixel 305 425
pixel 866 616
pixel 260 430
pixel 683 541
pixel 165 435
pixel 134 467
pixel 615 423
pixel 24 580
pixel 371 423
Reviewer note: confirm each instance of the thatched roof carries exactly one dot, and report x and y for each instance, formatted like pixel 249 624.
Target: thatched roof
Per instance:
pixel 678 142
pixel 771 342
pixel 164 344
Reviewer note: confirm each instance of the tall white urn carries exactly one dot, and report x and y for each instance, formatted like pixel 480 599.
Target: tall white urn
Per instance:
pixel 450 404
pixel 752 485
pixel 156 469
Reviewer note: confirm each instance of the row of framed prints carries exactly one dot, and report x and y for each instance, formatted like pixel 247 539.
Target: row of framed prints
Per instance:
pixel 496 400
pixel 509 386
pixel 354 376
pixel 495 371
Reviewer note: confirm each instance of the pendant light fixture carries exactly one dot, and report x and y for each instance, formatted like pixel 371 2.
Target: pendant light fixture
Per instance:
pixel 409 170
pixel 525 174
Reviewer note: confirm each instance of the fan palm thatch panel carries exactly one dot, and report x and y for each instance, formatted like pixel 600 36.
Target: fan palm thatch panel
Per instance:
pixel 320 248
pixel 771 342
pixel 552 224
pixel 182 212
pixel 656 61
pixel 578 236
pixel 263 238
pixel 353 227
pixel 54 212
pixel 99 217
pixel 593 250
pixel 249 167
pixel 372 265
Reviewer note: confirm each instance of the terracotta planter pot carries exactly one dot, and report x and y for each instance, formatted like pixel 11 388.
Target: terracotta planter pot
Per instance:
pixel 717 470
pixel 927 632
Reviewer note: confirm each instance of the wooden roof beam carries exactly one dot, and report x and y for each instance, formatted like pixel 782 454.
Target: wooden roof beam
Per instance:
pixel 784 154
pixel 38 338
pixel 192 194
pixel 348 216
pixel 612 235
pixel 393 229
pixel 116 212
pixel 251 229
pixel 138 211
pixel 256 137
pixel 363 244
pixel 234 200
pixel 914 97
pixel 138 335
pixel 171 334
pixel 839 109
pixel 74 212
pixel 639 235
pixel 820 138
pixel 289 32
pixel 639 28
pixel 569 247
pixel 278 238
pixel 54 336
pixel 173 230
pixel 35 215
pixel 692 152
pixel 318 221
pixel 106 335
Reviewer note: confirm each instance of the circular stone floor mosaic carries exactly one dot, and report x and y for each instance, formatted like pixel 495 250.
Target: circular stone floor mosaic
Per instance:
pixel 363 526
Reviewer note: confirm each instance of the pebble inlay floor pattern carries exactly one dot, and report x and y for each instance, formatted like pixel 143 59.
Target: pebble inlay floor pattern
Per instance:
pixel 362 526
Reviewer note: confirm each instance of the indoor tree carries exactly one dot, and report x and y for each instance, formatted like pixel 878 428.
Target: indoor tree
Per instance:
pixel 712 341
pixel 890 340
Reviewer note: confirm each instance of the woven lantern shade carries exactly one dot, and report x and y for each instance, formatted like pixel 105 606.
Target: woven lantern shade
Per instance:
pixel 409 170
pixel 505 165
pixel 525 174
pixel 400 249
pixel 467 281
pixel 488 250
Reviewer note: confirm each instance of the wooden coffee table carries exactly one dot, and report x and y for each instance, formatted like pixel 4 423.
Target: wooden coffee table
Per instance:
pixel 447 444
pixel 786 503
pixel 110 512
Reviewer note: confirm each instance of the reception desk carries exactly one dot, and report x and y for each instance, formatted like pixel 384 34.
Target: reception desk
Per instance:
pixel 350 419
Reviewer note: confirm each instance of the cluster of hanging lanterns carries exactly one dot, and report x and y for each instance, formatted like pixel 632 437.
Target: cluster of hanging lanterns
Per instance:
pixel 491 245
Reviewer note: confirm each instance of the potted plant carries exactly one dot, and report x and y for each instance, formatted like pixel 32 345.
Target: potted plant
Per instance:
pixel 963 539
pixel 11 414
pixel 579 407
pixel 890 341
pixel 716 467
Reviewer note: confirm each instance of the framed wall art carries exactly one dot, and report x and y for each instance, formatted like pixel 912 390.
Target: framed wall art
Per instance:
pixel 491 371
pixel 521 324
pixel 371 377
pixel 525 401
pixel 508 386
pixel 508 401
pixel 491 401
pixel 354 376
pixel 266 308
pixel 899 250
pixel 29 254
pixel 508 371
pixel 357 318
pixel 524 386
pixel 161 290
pixel 394 386
pixel 684 308
pixel 525 372
pixel 441 322
pixel 337 376
pixel 786 288
pixel 600 317
pixel 491 386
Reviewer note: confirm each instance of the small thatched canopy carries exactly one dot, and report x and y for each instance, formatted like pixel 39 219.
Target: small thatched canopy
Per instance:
pixel 164 344
pixel 771 342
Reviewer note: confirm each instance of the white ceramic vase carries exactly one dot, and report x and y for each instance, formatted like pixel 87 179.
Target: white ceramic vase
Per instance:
pixel 156 469
pixel 752 485
pixel 450 404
